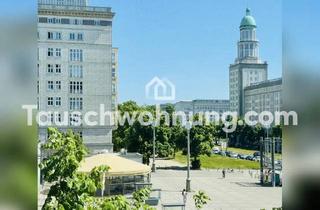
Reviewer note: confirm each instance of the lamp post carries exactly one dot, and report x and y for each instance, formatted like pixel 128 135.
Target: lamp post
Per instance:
pixel 188 181
pixel 153 168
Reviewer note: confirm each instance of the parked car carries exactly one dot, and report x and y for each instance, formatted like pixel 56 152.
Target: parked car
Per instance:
pixel 216 150
pixel 256 154
pixel 228 153
pixel 222 153
pixel 256 158
pixel 242 156
pixel 233 155
pixel 249 157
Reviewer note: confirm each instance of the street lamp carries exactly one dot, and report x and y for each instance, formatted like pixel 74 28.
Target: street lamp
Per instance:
pixel 153 168
pixel 188 126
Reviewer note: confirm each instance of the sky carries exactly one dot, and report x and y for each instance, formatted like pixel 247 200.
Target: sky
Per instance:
pixel 191 43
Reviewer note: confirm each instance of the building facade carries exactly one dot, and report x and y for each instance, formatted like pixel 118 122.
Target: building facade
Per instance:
pixel 202 105
pixel 247 68
pixel 264 96
pixel 65 2
pixel 114 72
pixel 75 68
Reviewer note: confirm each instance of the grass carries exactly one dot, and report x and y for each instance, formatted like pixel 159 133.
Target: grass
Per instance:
pixel 218 161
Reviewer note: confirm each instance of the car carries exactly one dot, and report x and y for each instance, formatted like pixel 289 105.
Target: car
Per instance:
pixel 228 153
pixel 256 158
pixel 242 156
pixel 256 154
pixel 216 150
pixel 222 153
pixel 249 157
pixel 233 155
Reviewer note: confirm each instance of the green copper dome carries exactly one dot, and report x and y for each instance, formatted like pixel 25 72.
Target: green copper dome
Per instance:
pixel 248 20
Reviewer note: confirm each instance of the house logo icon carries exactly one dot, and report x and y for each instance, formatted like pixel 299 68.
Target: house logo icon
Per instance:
pixel 160 89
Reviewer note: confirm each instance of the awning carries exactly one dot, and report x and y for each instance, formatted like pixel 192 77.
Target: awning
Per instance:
pixel 118 166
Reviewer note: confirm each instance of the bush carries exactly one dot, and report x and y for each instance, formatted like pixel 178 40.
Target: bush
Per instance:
pixel 195 164
pixel 165 150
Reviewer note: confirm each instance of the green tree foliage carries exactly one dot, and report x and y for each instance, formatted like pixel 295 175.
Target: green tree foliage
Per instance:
pixel 138 138
pixel 71 189
pixel 172 138
pixel 248 137
pixel 201 138
pixel 201 199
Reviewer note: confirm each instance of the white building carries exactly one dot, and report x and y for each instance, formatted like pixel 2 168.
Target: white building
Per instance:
pixel 75 67
pixel 202 105
pixel 247 68
pixel 263 96
pixel 114 72
pixel 250 89
pixel 65 2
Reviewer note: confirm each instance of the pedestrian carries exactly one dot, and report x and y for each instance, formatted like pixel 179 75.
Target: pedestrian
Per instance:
pixel 184 196
pixel 223 173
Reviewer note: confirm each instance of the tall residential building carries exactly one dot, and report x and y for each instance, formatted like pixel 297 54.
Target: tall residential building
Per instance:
pixel 247 68
pixel 75 68
pixel 263 96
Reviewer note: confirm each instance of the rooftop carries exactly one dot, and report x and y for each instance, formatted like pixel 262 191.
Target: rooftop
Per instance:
pixel 248 20
pixel 75 11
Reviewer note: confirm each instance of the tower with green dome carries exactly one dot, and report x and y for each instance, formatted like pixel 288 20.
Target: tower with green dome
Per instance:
pixel 248 46
pixel 247 68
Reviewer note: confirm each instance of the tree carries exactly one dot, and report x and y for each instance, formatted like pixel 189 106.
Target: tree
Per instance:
pixel 201 143
pixel 71 189
pixel 200 199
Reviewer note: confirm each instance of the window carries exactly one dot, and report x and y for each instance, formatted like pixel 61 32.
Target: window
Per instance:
pixel 75 71
pixel 50 118
pixel 89 22
pixel 113 73
pixel 75 103
pixel 57 117
pixel 50 68
pixel 80 36
pixel 43 20
pixel 50 35
pixel 65 21
pixel 58 85
pixel 105 23
pixel 113 88
pixel 50 85
pixel 75 87
pixel 50 101
pixel 58 68
pixel 54 20
pixel 58 101
pixel 75 119
pixel 58 36
pixel 54 35
pixel 76 55
pixel 77 22
pixel 72 36
pixel 58 52
pixel 50 52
